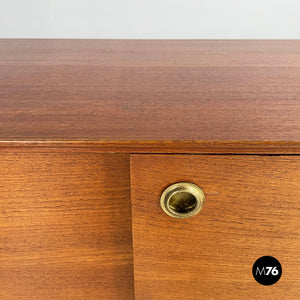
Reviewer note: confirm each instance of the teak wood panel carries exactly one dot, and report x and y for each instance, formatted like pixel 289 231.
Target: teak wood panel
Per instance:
pixel 65 225
pixel 251 210
pixel 124 90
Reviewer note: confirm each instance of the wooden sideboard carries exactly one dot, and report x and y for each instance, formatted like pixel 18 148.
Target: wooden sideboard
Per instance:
pixel 93 131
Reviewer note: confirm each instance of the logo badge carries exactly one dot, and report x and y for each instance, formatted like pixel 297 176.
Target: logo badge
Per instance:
pixel 267 270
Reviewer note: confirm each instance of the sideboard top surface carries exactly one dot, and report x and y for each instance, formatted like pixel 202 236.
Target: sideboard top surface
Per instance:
pixel 188 93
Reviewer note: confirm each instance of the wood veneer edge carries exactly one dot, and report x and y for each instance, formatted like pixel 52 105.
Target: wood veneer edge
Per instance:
pixel 213 147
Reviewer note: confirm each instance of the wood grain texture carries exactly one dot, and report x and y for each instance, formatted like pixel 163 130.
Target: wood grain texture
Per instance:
pixel 197 90
pixel 65 225
pixel 178 147
pixel 251 210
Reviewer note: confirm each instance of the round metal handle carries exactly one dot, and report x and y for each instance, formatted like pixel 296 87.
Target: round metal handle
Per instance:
pixel 182 200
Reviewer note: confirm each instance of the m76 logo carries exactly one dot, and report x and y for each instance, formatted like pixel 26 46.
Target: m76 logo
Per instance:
pixel 267 271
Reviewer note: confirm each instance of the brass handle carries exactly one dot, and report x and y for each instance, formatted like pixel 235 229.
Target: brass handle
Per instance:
pixel 182 200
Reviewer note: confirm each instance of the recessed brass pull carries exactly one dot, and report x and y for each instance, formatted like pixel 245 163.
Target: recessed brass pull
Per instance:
pixel 182 200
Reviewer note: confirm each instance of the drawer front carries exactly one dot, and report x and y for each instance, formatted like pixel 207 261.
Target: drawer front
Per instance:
pixel 65 227
pixel 252 209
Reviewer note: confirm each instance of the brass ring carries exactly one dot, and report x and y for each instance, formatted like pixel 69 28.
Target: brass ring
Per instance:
pixel 182 200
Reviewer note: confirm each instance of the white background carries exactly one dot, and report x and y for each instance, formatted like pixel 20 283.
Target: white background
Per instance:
pixel 237 19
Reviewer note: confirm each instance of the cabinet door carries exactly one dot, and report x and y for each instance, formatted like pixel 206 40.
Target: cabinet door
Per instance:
pixel 252 209
pixel 65 225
